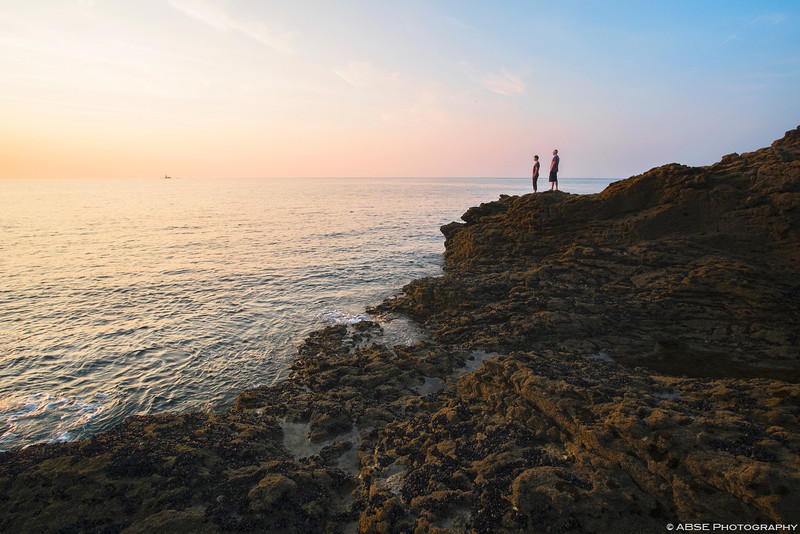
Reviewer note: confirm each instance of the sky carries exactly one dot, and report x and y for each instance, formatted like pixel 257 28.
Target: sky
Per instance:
pixel 429 88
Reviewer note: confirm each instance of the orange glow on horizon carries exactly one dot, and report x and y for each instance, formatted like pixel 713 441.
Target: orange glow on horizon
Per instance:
pixel 211 88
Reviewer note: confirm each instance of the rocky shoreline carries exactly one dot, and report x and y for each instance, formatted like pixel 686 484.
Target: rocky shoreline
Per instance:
pixel 595 363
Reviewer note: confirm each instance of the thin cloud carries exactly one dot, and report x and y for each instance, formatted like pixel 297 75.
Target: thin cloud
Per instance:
pixel 215 15
pixel 363 73
pixel 86 106
pixel 766 19
pixel 505 82
pixel 424 109
pixel 769 19
pixel 452 21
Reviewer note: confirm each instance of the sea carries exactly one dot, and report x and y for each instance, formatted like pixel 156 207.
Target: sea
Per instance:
pixel 122 297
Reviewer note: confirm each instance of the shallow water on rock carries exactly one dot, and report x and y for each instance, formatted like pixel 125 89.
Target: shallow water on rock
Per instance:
pixel 296 440
pixel 475 361
pixel 429 386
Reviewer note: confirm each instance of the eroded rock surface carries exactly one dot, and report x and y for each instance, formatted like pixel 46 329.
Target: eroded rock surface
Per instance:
pixel 687 270
pixel 610 362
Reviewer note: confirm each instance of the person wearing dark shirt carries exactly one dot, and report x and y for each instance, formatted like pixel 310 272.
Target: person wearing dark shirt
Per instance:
pixel 535 176
pixel 554 171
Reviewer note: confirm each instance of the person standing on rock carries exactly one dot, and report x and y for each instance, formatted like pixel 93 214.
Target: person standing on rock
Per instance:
pixel 535 176
pixel 554 171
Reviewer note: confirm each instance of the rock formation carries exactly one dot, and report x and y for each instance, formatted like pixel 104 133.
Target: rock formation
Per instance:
pixel 596 363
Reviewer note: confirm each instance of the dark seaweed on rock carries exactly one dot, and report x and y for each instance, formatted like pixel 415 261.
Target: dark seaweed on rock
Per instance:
pixel 645 373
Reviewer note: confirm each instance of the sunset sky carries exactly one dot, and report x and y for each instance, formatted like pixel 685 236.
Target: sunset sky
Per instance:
pixel 255 88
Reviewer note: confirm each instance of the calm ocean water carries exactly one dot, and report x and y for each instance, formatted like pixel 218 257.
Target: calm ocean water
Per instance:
pixel 142 296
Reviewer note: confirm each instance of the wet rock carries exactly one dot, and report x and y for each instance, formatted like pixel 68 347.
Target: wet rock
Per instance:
pixel 173 521
pixel 328 422
pixel 270 491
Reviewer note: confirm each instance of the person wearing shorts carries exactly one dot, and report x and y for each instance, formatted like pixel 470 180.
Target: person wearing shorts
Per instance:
pixel 554 171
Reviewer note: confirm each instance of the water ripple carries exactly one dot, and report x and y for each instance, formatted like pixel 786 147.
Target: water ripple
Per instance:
pixel 125 297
